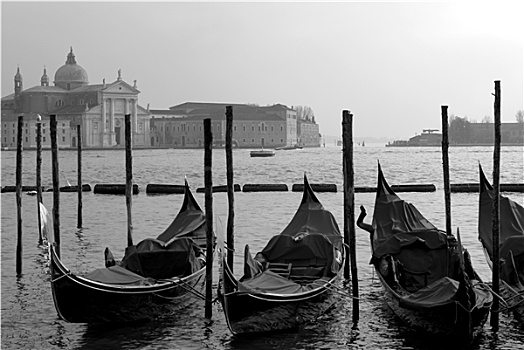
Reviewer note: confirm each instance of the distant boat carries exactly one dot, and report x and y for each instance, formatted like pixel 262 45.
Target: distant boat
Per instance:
pixel 262 153
pixel 287 148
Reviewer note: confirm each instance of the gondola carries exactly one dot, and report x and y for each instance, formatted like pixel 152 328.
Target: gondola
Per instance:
pixel 427 277
pixel 154 277
pixel 511 243
pixel 293 280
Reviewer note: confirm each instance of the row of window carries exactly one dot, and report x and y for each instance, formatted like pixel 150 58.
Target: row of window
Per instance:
pixel 26 125
pixel 27 139
pixel 182 128
pixel 60 103
pixel 27 131
pixel 200 140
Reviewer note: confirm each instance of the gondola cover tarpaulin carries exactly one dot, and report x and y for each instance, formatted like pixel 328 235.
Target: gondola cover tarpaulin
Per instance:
pixel 511 219
pixel 397 223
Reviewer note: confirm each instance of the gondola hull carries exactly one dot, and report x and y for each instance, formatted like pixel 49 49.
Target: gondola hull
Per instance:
pixel 511 244
pixel 263 312
pixel 80 300
pixel 512 294
pixel 427 276
pixel 450 320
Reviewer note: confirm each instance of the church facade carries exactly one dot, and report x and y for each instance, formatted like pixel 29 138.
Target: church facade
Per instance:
pixel 98 108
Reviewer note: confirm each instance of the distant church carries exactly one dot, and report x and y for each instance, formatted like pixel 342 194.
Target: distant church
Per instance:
pixel 98 108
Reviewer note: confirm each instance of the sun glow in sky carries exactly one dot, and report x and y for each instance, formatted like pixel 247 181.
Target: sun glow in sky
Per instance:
pixel 392 64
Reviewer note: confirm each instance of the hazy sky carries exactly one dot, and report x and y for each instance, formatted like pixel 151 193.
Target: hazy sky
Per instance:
pixel 392 64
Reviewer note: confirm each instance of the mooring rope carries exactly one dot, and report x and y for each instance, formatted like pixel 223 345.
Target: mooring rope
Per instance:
pixel 185 285
pixel 506 305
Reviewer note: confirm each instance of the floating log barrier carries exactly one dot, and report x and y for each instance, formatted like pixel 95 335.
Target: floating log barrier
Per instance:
pixel 220 188
pixel 265 188
pixel 74 188
pixel 401 188
pixel 164 189
pixel 24 188
pixel 474 187
pixel 315 187
pixel 113 189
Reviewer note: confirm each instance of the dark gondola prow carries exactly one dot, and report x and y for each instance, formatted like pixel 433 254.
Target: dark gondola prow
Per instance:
pixel 383 187
pixel 484 184
pixel 308 196
pixel 189 201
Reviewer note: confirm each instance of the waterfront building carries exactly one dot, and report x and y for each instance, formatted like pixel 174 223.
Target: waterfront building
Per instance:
pixel 98 108
pixel 253 126
pixel 477 134
pixel 308 133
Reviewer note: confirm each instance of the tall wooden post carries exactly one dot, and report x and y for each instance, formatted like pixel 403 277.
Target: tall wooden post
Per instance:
pixel 39 175
pixel 349 207
pixel 208 184
pixel 445 163
pixel 56 184
pixel 230 187
pixel 494 321
pixel 19 194
pixel 129 178
pixel 79 173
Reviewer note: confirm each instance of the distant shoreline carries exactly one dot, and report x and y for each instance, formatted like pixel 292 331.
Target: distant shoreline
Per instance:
pixel 458 145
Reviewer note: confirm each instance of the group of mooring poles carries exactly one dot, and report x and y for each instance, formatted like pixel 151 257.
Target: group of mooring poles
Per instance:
pixel 494 319
pixel 349 219
pixel 56 179
pixel 208 192
pixel 349 203
pixel 39 198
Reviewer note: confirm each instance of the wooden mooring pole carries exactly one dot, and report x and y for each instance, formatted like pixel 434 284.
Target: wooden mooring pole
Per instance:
pixel 129 178
pixel 445 164
pixel 208 184
pixel 56 184
pixel 19 194
pixel 494 321
pixel 39 175
pixel 349 208
pixel 230 189
pixel 79 173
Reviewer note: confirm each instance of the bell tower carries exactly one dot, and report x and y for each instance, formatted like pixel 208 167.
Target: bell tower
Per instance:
pixel 18 82
pixel 44 81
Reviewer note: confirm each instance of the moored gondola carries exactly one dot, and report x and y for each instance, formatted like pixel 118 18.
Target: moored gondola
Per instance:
pixel 293 280
pixel 511 243
pixel 427 276
pixel 155 277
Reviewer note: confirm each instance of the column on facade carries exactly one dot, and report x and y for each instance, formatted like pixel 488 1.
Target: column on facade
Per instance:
pixel 112 122
pixel 135 115
pixel 103 128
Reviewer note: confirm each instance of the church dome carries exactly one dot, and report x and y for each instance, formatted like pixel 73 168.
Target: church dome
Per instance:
pixel 71 75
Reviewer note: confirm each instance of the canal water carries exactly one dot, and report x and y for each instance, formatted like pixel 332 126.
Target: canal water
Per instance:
pixel 28 316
